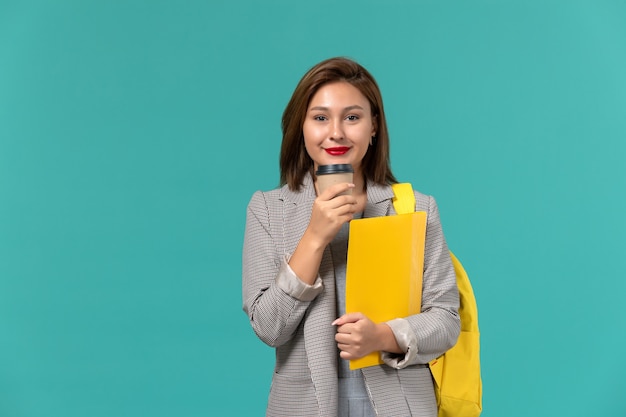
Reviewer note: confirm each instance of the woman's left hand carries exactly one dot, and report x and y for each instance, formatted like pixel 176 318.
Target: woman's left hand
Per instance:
pixel 358 336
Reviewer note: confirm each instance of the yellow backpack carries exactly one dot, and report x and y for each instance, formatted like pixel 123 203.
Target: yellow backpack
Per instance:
pixel 456 373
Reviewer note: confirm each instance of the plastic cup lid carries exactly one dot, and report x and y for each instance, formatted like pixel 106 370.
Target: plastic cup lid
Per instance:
pixel 333 169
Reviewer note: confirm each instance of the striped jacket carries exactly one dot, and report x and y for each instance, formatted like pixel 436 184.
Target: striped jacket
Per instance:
pixel 295 318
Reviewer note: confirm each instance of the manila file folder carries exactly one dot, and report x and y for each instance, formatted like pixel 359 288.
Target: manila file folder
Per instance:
pixel 384 270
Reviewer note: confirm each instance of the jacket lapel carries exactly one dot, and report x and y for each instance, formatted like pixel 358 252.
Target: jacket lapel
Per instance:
pixel 378 201
pixel 319 335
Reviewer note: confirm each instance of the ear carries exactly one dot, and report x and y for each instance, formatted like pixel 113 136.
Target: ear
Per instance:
pixel 374 125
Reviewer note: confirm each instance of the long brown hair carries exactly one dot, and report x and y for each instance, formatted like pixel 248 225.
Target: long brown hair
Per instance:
pixel 295 162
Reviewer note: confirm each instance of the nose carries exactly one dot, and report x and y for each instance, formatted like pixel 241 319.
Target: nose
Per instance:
pixel 336 130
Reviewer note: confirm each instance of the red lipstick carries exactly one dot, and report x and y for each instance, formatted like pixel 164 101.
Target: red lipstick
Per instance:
pixel 337 151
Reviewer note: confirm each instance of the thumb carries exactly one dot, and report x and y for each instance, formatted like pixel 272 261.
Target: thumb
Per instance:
pixel 348 318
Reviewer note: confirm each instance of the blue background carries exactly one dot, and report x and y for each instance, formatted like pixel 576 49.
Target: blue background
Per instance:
pixel 132 135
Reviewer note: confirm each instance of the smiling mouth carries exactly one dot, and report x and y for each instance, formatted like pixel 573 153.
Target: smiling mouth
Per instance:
pixel 339 150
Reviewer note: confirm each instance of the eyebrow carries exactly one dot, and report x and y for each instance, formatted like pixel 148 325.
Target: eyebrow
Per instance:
pixel 354 107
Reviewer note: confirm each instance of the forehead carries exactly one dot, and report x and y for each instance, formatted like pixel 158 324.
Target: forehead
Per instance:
pixel 339 94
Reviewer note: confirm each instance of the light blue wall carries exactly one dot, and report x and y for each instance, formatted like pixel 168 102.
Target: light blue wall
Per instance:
pixel 133 133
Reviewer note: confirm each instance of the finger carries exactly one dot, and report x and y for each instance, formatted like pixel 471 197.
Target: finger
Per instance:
pixel 346 347
pixel 348 318
pixel 343 201
pixel 347 355
pixel 344 216
pixel 348 328
pixel 335 218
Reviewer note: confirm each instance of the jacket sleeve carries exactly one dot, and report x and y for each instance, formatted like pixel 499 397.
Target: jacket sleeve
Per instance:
pixel 431 333
pixel 274 298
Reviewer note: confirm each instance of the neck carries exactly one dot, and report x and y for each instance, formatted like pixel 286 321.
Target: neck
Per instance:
pixel 359 184
pixel 359 192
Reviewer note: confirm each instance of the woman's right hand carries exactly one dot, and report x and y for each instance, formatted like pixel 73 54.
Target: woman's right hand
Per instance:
pixel 330 211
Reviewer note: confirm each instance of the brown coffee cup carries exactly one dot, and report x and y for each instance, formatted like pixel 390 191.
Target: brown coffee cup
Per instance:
pixel 328 175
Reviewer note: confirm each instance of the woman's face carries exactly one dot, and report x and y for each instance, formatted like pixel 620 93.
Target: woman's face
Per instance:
pixel 338 126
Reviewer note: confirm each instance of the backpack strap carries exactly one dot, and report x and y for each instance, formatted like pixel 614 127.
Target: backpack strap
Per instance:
pixel 403 198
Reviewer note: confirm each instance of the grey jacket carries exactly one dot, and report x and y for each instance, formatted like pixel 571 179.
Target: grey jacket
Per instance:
pixel 295 318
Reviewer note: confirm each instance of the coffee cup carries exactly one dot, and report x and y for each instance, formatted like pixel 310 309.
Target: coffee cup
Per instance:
pixel 329 175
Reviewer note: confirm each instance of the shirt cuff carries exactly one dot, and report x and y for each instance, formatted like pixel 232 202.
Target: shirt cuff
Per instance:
pixel 288 281
pixel 407 340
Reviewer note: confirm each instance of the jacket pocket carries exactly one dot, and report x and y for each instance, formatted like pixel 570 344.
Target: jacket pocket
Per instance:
pixel 291 397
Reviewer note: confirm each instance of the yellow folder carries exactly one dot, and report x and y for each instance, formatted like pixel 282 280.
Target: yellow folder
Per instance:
pixel 384 270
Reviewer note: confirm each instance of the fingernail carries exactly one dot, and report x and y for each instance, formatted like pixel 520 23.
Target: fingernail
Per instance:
pixel 334 323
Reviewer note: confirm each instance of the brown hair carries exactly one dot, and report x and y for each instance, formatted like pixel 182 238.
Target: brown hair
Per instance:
pixel 295 162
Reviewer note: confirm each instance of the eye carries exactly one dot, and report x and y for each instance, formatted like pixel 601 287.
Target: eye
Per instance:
pixel 319 118
pixel 352 118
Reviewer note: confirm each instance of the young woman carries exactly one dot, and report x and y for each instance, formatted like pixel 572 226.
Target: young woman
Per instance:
pixel 294 262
